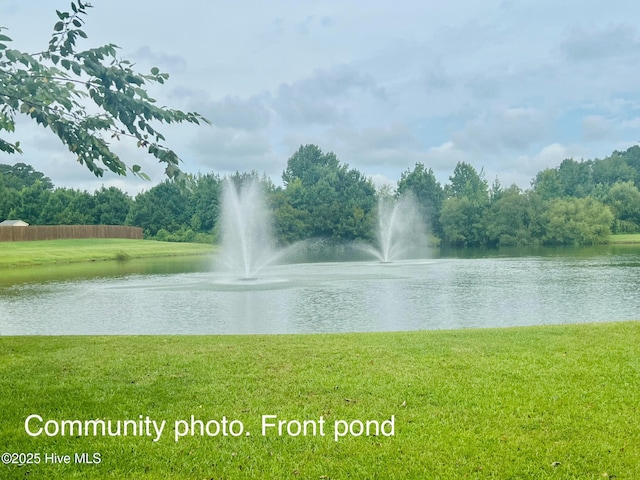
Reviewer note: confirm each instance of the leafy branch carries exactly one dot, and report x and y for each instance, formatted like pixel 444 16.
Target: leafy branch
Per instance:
pixel 60 89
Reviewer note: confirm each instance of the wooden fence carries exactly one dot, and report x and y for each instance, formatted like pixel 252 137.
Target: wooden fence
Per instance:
pixel 53 232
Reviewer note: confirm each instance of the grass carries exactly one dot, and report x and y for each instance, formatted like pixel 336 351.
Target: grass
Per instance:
pixel 49 252
pixel 625 238
pixel 538 402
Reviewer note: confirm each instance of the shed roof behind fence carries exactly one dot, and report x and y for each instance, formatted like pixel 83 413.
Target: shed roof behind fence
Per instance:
pixel 13 223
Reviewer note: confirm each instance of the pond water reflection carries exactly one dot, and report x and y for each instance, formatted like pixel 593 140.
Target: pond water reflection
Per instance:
pixel 184 296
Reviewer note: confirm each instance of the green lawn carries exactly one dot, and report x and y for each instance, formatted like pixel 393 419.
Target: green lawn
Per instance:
pixel 48 252
pixel 536 402
pixel 624 238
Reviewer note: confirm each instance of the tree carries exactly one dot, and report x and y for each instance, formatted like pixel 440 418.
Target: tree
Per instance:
pixel 462 214
pixel 324 198
pixel 547 184
pixel 205 199
pixel 611 170
pixel 290 223
pixel 30 203
pixel 111 206
pixel 462 222
pixel 576 178
pixel 22 175
pixel 66 206
pixel 86 98
pixel 9 198
pixel 577 221
pixel 632 158
pixel 307 164
pixel 467 182
pixel 165 206
pixel 422 183
pixel 511 219
pixel 624 200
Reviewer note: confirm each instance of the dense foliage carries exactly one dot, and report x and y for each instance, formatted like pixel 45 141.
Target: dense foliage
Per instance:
pixel 576 203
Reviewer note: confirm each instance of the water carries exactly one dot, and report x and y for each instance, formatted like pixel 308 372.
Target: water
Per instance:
pixel 247 238
pixel 549 287
pixel 400 231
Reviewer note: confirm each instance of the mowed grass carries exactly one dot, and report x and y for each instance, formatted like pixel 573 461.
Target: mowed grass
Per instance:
pixel 536 402
pixel 47 252
pixel 625 238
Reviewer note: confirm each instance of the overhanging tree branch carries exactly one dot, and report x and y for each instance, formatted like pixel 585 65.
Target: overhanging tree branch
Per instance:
pixel 55 88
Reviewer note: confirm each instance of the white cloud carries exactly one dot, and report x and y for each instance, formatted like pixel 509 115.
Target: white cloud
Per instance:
pixel 234 112
pixel 509 129
pixel 596 127
pixel 595 44
pixel 325 97
pixel 522 169
pixel 445 157
pixel 229 150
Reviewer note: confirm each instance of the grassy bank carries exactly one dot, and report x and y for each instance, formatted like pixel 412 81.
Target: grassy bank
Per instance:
pixel 543 402
pixel 625 238
pixel 49 252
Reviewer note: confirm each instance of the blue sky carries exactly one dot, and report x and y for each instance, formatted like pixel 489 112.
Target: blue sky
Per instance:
pixel 511 87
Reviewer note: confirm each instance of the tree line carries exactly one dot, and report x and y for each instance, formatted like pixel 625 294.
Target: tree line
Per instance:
pixel 578 202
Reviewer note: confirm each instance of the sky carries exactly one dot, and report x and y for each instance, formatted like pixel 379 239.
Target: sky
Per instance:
pixel 510 86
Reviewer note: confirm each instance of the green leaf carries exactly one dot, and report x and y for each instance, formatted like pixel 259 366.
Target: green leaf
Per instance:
pixel 4 38
pixel 155 71
pixel 58 27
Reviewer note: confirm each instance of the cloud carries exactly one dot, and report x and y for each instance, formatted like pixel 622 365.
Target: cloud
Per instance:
pixel 234 112
pixel 165 60
pixel 397 136
pixel 324 97
pixel 596 127
pixel 387 150
pixel 508 129
pixel 632 123
pixel 309 25
pixel 445 157
pixel 522 169
pixel 230 150
pixel 312 22
pixel 600 43
pixel 552 155
pixel 229 112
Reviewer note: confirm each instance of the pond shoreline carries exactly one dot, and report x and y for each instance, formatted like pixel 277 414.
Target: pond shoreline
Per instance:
pixel 60 252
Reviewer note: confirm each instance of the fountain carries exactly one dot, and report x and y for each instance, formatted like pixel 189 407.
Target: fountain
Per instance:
pixel 400 232
pixel 247 238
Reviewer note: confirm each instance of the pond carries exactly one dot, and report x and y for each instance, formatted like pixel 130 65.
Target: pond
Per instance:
pixel 458 290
